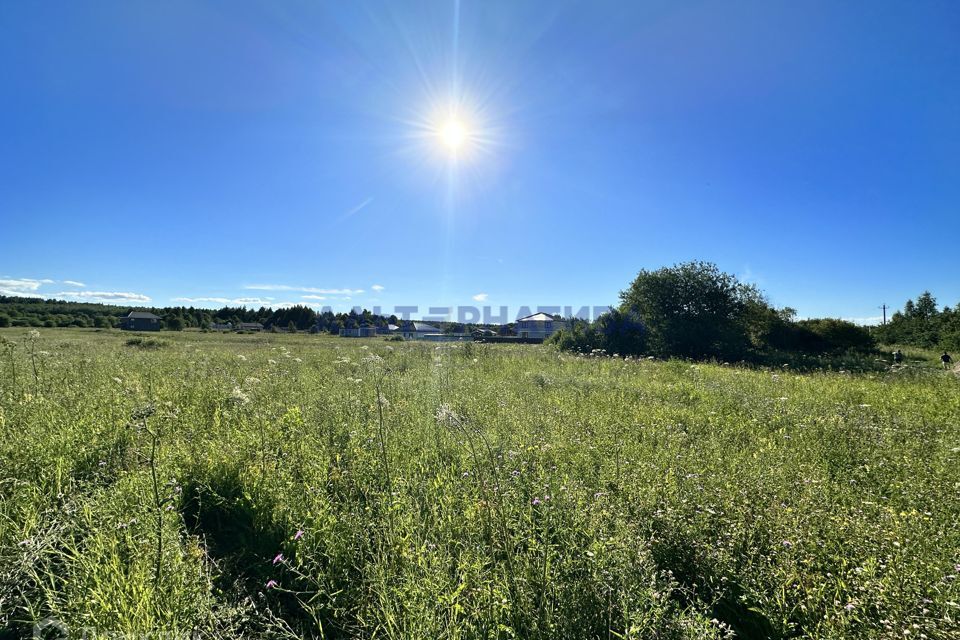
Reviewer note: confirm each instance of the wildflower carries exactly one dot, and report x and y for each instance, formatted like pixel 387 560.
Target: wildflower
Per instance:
pixel 298 359
pixel 850 606
pixel 536 502
pixel 238 396
pixel 271 584
pixel 242 357
pixel 118 380
pixel 298 534
pixel 271 361
pixel 251 381
pixel 446 415
pixel 33 335
pixel 786 544
pixel 383 400
pixel 278 559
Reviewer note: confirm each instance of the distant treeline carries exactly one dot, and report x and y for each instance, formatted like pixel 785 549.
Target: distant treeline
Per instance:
pixel 922 324
pixel 34 312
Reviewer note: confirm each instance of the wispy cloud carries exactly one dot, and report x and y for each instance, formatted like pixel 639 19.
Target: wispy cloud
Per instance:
pixel 23 284
pixel 866 320
pixel 22 287
pixel 313 297
pixel 103 296
pixel 287 287
pixel 73 283
pixel 481 297
pixel 378 288
pixel 355 210
pixel 237 302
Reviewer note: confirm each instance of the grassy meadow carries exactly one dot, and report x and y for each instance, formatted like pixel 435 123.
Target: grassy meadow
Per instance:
pixel 270 486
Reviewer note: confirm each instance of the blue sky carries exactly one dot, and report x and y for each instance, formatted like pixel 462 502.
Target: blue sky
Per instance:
pixel 273 151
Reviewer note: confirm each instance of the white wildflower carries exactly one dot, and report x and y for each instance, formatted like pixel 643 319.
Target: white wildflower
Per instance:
pixel 238 396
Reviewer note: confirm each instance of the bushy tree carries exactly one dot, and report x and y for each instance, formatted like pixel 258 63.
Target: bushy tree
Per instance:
pixel 692 309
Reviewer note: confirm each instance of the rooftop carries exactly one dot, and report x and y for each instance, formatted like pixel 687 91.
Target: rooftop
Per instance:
pixel 537 317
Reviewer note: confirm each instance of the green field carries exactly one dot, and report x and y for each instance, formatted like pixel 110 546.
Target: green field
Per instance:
pixel 304 486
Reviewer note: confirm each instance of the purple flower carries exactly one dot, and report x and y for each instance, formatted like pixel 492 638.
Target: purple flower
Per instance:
pixel 271 584
pixel 278 559
pixel 298 534
pixel 536 501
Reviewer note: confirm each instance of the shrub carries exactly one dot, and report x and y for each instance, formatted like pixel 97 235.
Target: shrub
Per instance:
pixel 141 342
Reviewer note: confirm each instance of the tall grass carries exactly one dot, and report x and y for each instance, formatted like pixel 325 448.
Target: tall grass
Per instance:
pixel 305 486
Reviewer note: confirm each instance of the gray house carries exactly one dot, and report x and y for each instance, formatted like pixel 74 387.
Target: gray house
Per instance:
pixel 363 331
pixel 140 321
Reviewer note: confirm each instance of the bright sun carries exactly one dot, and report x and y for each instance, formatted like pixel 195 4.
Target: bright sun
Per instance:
pixel 453 134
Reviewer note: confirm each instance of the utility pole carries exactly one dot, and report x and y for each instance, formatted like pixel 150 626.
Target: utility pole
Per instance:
pixel 884 307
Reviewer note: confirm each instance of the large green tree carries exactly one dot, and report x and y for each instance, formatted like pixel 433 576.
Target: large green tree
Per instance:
pixel 692 309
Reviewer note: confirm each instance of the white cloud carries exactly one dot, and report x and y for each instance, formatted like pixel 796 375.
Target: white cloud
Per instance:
pixel 17 293
pixel 103 296
pixel 237 302
pixel 481 297
pixel 378 288
pixel 287 287
pixel 868 320
pixel 312 297
pixel 22 284
pixel 74 283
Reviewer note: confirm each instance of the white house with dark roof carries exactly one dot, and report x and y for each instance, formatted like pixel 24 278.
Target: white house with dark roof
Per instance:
pixel 538 325
pixel 418 330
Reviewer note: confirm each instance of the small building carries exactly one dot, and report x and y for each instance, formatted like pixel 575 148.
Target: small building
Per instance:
pixel 249 326
pixel 418 330
pixel 140 321
pixel 221 326
pixel 538 325
pixel 390 329
pixel 363 331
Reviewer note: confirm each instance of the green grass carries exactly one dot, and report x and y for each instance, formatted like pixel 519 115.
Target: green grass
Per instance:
pixel 468 491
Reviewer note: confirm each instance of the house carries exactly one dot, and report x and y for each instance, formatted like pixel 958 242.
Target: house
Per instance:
pixel 249 326
pixel 417 330
pixel 363 331
pixel 538 325
pixel 221 326
pixel 390 329
pixel 140 321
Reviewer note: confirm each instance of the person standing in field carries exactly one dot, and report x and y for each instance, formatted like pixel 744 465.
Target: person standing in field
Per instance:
pixel 946 360
pixel 897 356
